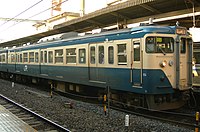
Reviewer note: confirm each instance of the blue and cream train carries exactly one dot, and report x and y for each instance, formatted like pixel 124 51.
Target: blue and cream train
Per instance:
pixel 146 66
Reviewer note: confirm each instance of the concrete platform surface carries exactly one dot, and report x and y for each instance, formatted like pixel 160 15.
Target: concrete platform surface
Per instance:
pixel 11 123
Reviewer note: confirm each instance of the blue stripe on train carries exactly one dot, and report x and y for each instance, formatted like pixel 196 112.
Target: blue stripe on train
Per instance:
pixel 153 81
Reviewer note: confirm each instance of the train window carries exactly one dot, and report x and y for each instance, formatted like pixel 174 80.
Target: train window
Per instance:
pixel 183 45
pixel 71 55
pixel 0 59
pixel 41 56
pixel 122 56
pixel 12 57
pixel 110 55
pixel 101 54
pixel 92 55
pixel 82 56
pixel 20 58
pixel 31 56
pixel 45 56
pixel 3 58
pixel 36 57
pixel 25 57
pixel 16 58
pixel 159 45
pixel 50 57
pixel 59 56
pixel 136 52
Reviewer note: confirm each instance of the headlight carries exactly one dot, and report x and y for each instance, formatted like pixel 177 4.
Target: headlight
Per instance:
pixel 163 63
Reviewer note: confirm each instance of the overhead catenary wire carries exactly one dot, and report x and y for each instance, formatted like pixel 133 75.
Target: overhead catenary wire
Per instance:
pixel 34 15
pixel 21 13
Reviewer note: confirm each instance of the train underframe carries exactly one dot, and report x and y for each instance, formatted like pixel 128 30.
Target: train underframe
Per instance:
pixel 117 98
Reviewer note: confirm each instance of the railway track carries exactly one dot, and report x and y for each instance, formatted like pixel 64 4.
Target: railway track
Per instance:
pixel 181 119
pixel 35 120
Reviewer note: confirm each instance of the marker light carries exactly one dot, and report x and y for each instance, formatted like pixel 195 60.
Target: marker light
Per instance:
pixel 163 63
pixel 171 63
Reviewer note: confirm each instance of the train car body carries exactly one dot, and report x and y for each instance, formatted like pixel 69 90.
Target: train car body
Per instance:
pixel 147 66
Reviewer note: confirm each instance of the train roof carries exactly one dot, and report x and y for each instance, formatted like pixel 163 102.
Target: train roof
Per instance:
pixel 136 32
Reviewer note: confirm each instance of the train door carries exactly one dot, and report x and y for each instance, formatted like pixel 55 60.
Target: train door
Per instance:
pixel 185 65
pixel 43 63
pixel 136 63
pixel 96 61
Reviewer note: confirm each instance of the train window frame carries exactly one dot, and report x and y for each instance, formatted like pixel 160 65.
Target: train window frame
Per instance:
pixel 156 46
pixel 58 57
pixel 31 57
pixel 136 51
pixel 122 54
pixel 82 56
pixel 3 58
pixel 12 58
pixel 25 58
pixel 21 58
pixel 50 57
pixel 101 54
pixel 183 45
pixel 45 56
pixel 110 55
pixel 71 56
pixel 17 57
pixel 41 57
pixel 92 55
pixel 36 57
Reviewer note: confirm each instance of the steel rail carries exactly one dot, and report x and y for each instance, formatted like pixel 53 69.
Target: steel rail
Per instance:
pixel 57 126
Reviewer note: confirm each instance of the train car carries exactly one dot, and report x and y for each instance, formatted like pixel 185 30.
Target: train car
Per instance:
pixel 146 66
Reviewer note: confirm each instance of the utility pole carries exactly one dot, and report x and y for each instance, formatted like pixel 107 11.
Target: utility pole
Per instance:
pixel 82 8
pixel 56 6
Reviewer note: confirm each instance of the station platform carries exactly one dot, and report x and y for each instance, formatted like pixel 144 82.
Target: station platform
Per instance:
pixel 11 123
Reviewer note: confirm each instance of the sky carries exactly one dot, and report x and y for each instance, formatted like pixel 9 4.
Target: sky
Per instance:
pixel 8 9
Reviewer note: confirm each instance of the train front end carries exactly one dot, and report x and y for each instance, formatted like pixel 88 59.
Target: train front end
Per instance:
pixel 167 68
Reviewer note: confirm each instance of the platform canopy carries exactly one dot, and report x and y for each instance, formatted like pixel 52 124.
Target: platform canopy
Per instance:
pixel 131 11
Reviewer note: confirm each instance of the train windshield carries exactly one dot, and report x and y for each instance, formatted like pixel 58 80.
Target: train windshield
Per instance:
pixel 159 45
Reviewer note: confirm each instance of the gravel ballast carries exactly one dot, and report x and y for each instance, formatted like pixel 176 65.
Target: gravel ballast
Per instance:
pixel 83 117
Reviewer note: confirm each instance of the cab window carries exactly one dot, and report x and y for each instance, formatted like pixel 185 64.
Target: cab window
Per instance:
pixel 159 45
